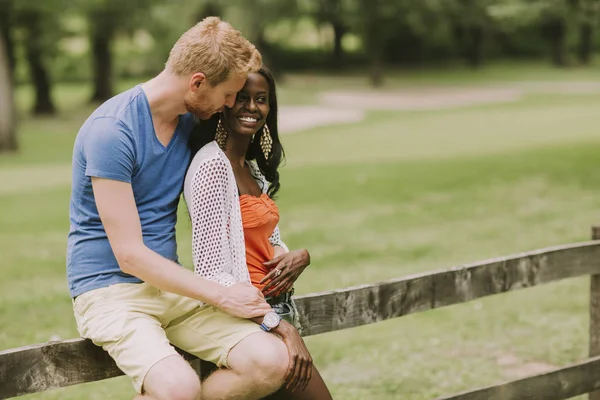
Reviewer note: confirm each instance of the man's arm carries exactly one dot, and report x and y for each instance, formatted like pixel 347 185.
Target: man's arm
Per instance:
pixel 119 215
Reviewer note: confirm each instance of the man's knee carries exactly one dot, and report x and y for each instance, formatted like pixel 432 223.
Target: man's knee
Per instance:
pixel 183 389
pixel 172 379
pixel 263 356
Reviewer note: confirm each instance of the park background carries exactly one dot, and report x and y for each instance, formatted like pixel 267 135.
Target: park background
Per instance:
pixel 420 135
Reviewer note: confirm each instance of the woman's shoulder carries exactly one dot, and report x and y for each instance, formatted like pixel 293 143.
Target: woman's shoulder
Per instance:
pixel 210 153
pixel 260 179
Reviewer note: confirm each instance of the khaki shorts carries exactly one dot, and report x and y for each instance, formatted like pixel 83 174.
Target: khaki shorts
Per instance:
pixel 137 323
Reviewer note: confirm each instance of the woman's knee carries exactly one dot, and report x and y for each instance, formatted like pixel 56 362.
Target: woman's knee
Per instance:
pixel 261 355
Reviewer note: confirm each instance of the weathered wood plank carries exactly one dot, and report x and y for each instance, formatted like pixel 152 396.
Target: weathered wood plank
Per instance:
pixel 366 304
pixel 563 383
pixel 594 345
pixel 36 368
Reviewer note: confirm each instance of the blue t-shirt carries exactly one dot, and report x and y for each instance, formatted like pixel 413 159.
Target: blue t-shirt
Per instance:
pixel 118 142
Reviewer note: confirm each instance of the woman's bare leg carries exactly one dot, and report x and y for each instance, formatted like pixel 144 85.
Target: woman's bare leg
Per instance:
pixel 315 390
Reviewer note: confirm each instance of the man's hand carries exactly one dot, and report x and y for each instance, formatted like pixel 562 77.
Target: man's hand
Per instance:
pixel 301 364
pixel 243 300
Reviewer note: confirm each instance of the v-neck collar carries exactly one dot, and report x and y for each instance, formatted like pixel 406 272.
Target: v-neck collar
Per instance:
pixel 155 138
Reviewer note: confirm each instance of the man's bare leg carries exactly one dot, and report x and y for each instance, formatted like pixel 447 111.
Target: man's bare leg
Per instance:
pixel 171 379
pixel 257 366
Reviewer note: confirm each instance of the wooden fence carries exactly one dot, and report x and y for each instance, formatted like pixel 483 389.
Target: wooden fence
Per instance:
pixel 37 368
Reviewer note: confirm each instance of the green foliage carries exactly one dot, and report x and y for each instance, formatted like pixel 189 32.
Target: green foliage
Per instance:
pixel 37 25
pixel 109 16
pixel 141 32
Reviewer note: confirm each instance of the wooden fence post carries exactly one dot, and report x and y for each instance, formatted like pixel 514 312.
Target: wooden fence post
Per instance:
pixel 202 368
pixel 197 366
pixel 595 313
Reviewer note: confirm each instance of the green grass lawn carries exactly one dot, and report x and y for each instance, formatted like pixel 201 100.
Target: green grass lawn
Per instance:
pixel 395 194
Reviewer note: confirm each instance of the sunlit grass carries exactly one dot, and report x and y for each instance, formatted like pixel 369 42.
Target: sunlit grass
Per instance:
pixel 396 194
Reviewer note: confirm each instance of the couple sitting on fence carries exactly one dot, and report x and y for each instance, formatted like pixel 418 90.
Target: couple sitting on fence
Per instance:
pixel 216 104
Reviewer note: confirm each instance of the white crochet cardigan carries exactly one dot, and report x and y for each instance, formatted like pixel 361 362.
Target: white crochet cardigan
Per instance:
pixel 212 198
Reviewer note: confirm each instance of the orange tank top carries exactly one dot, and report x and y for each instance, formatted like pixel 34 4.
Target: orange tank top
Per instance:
pixel 259 219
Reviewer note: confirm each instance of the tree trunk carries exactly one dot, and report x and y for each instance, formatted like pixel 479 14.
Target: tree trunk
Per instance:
pixel 375 38
pixel 8 132
pixel 102 64
pixel 338 52
pixel 38 72
pixel 376 70
pixel 32 21
pixel 557 32
pixel 469 41
pixel 474 50
pixel 586 34
pixel 6 31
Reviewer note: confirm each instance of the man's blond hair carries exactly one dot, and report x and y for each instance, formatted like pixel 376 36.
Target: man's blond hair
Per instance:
pixel 216 49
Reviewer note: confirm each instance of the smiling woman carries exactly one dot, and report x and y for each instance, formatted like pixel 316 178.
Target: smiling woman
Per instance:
pixel 229 191
pixel 250 109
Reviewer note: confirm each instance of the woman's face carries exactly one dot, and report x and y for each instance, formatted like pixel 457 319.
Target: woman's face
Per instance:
pixel 251 107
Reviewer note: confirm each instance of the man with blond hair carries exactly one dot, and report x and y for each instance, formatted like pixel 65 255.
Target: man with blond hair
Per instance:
pixel 130 295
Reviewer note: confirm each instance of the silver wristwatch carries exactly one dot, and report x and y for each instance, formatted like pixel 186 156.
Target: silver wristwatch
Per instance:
pixel 270 321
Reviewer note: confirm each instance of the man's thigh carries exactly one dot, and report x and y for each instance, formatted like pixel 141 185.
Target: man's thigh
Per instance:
pixel 124 320
pixel 209 333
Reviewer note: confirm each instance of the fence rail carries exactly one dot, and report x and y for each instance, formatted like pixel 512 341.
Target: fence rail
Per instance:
pixel 38 368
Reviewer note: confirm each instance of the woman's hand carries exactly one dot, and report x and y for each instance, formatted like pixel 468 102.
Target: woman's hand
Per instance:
pixel 301 364
pixel 278 251
pixel 287 268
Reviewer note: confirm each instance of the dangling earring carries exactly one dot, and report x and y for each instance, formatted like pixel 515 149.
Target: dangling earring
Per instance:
pixel 266 141
pixel 221 134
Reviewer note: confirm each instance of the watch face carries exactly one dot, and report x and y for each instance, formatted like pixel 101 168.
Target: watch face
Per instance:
pixel 271 320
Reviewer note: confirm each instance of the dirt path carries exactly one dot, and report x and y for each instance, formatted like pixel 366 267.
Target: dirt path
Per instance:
pixel 334 108
pixel 350 106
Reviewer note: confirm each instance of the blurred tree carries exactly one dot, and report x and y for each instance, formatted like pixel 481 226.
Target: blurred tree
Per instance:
pixel 36 27
pixel 587 14
pixel 210 8
pixel 420 24
pixel 40 32
pixel 554 25
pixel 8 133
pixel 470 21
pixel 518 23
pixel 169 20
pixel 554 18
pixel 106 19
pixel 396 31
pixel 375 20
pixel 6 31
pixel 252 17
pixel 334 13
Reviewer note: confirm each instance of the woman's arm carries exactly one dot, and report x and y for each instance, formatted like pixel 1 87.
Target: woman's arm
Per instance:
pixel 278 244
pixel 285 271
pixel 210 207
